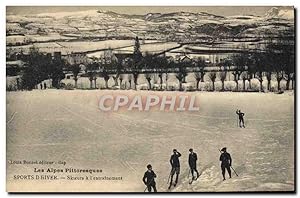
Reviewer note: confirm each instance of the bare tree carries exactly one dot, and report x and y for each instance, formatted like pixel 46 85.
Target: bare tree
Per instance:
pixel 200 64
pixel 197 76
pixel 160 75
pixel 181 73
pixel 121 78
pixel 130 77
pixel 95 81
pixel 106 78
pixel 75 70
pixel 222 76
pixel 259 76
pixel 135 65
pixel 180 78
pixel 212 76
pixel 250 75
pixel 108 62
pixel 118 64
pixel 91 77
pixel 293 80
pixel 148 77
pixel 166 76
pixel 244 77
pixel 288 77
pixel 289 71
pixel 236 75
pixel 135 78
pixel 240 61
pixel 258 65
pixel 268 75
pixel 91 72
pixel 279 77
pixel 115 78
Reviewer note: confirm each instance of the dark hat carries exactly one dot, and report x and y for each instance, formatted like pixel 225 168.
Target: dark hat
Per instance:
pixel 174 150
pixel 149 166
pixel 190 149
pixel 223 149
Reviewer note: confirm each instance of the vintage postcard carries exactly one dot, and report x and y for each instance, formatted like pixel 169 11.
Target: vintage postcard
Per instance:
pixel 150 99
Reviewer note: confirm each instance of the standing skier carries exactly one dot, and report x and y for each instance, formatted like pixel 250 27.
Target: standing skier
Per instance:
pixel 241 117
pixel 226 162
pixel 174 161
pixel 148 179
pixel 193 163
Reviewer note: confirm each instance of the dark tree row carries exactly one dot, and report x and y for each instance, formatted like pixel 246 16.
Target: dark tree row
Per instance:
pixel 275 59
pixel 40 67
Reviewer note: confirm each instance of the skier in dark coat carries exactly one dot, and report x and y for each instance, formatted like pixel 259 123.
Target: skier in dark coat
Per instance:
pixel 241 117
pixel 148 179
pixel 193 163
pixel 174 161
pixel 226 162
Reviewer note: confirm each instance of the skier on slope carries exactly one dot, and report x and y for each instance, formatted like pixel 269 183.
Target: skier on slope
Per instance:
pixel 241 117
pixel 193 163
pixel 226 162
pixel 148 179
pixel 174 161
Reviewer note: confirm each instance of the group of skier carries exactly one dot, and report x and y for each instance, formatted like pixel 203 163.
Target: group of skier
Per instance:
pixel 225 159
pixel 149 176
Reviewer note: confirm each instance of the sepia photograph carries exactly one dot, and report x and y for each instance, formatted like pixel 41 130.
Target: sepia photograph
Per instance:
pixel 146 99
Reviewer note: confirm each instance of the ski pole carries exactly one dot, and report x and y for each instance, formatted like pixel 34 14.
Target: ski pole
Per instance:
pixel 231 166
pixel 146 188
pixel 237 120
pixel 149 183
pixel 169 176
pixel 234 171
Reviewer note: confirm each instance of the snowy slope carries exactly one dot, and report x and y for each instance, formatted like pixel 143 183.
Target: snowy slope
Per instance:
pixel 123 143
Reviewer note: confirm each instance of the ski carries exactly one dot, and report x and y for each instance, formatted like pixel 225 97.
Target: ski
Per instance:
pixel 174 185
pixel 193 179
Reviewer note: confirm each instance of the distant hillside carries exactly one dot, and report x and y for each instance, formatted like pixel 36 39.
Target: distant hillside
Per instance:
pixel 176 26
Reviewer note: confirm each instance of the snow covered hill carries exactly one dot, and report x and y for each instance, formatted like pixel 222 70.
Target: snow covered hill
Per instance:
pixel 176 26
pixel 281 13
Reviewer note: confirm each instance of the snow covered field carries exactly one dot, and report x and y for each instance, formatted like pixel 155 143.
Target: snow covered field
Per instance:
pixel 75 46
pixel 68 126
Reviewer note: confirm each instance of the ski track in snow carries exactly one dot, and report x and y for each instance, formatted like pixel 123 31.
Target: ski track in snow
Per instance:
pixel 101 126
pixel 124 163
pixel 11 118
pixel 207 181
pixel 46 144
pixel 228 118
pixel 146 121
pixel 82 117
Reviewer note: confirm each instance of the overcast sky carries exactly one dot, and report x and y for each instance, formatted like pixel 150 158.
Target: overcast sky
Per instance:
pixel 220 10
